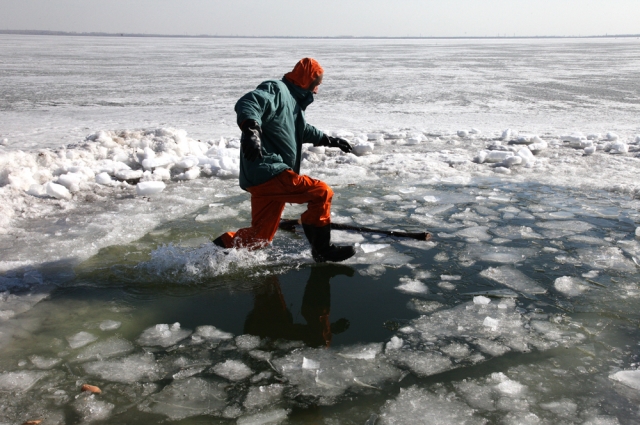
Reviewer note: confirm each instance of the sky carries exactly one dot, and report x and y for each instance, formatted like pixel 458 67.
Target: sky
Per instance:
pixel 327 18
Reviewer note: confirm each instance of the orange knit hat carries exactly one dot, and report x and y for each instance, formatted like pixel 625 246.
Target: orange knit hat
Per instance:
pixel 305 72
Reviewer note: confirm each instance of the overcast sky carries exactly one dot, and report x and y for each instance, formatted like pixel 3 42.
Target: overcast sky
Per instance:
pixel 390 18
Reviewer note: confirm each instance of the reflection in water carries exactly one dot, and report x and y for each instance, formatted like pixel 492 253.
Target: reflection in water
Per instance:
pixel 271 318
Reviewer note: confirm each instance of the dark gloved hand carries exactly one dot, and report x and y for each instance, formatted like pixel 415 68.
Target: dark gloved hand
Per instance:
pixel 340 326
pixel 250 140
pixel 336 142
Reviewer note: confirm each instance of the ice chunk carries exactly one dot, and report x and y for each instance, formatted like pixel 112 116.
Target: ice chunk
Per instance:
pixel 619 147
pixel 90 409
pixel 310 364
pixel 569 286
pixel 111 347
pixel 514 279
pixel 44 362
pixel 565 408
pixel 271 417
pixel 104 179
pixel 335 375
pixel 511 388
pixel 149 188
pixel 110 325
pixel 481 300
pixel 476 232
pixel 394 344
pixel 506 134
pixel 81 339
pixel 490 322
pixel 371 247
pixel 211 333
pixel 20 381
pixel 57 191
pixel 606 258
pixel 463 133
pixel 497 156
pixel 163 335
pixel 612 137
pixel 71 181
pixel 418 406
pixel 590 150
pixel 259 397
pixel 412 286
pixel 134 368
pixel 233 370
pixel 128 174
pixel 186 398
pixel 247 342
pixel 630 378
pixel 362 147
pixel 361 352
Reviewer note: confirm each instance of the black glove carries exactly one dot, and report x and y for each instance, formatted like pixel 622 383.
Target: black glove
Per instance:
pixel 335 142
pixel 250 140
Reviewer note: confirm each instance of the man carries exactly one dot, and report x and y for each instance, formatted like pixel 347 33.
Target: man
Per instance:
pixel 273 130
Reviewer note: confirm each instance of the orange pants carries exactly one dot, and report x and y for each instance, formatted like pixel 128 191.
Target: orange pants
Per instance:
pixel 267 203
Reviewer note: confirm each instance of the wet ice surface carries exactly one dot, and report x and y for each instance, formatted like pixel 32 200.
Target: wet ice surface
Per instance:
pixel 522 309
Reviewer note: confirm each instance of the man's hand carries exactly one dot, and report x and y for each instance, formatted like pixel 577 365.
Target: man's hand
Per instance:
pixel 336 142
pixel 250 140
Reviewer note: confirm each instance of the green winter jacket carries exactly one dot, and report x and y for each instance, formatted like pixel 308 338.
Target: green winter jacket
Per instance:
pixel 278 107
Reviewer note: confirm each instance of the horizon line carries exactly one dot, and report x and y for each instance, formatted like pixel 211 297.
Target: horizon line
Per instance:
pixel 339 37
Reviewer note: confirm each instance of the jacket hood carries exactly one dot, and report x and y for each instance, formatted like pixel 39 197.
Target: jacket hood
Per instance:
pixel 305 72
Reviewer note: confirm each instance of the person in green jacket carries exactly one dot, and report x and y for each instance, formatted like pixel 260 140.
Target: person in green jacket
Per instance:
pixel 274 128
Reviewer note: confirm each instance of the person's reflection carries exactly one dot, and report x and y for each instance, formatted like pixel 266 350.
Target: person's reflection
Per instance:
pixel 271 318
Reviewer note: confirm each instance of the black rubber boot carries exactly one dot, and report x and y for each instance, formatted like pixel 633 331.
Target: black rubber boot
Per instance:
pixel 321 247
pixel 218 241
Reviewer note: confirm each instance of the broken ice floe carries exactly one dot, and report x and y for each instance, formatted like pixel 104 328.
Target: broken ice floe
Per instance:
pixel 134 368
pixel 233 370
pixel 81 339
pixel 418 406
pixel 630 378
pixel 513 278
pixel 163 335
pixel 186 398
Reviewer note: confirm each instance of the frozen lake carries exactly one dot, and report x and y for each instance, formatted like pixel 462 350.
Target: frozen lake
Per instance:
pixel 119 162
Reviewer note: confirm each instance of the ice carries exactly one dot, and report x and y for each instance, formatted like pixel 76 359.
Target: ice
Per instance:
pixel 262 396
pixel 513 278
pixel 601 420
pixel 110 325
pixel 412 286
pixel 149 188
pixel 564 408
pixel 630 378
pixel 418 406
pixel 570 286
pixel 370 247
pixel 394 343
pixel 81 339
pixel 481 300
pixel 44 362
pixel 475 233
pixel 247 342
pixel 310 364
pixel 163 335
pixel 271 417
pixel 186 398
pixel 361 147
pixel 91 409
pixel 57 191
pixel 334 374
pixel 612 137
pixel 111 347
pixel 211 333
pixel 134 368
pixel 233 370
pixel 511 388
pixel 606 258
pixel 20 381
pixel 619 147
pixel 361 352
